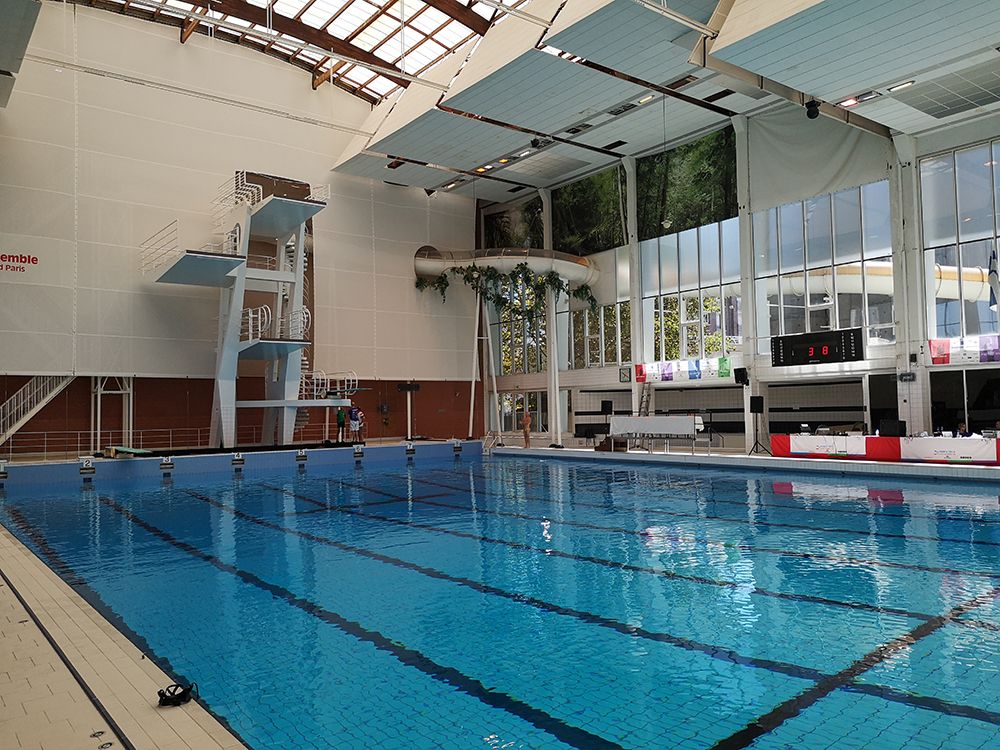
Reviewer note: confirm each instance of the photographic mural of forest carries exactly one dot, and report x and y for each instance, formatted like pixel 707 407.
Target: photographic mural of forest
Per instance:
pixel 688 186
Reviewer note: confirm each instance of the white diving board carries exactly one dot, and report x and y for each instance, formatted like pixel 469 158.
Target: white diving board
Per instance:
pixel 275 217
pixel 270 348
pixel 199 268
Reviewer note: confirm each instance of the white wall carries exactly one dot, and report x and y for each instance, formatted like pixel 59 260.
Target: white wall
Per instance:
pixel 91 164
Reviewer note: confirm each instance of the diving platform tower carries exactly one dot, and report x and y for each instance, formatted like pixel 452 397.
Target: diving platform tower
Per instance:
pixel 260 268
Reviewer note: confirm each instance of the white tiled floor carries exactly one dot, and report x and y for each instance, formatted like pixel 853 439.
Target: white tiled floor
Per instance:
pixel 42 707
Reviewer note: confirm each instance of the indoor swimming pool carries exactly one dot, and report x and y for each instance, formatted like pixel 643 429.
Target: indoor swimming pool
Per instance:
pixel 528 603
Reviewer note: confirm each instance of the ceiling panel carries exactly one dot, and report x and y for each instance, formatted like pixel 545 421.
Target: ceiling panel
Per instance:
pixel 838 48
pixel 543 92
pixel 451 141
pixel 374 167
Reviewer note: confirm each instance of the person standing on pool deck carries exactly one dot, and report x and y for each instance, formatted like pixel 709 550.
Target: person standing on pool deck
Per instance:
pixel 362 425
pixel 526 426
pixel 355 424
pixel 341 424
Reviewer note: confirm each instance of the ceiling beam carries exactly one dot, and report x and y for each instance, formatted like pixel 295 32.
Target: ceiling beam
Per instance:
pixel 321 76
pixel 299 30
pixel 461 13
pixel 188 29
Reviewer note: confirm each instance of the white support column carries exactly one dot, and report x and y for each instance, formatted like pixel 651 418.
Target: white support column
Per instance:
pixel 475 365
pixel 551 334
pixel 291 367
pixel 634 273
pixel 749 301
pixel 223 430
pixel 493 373
pixel 913 398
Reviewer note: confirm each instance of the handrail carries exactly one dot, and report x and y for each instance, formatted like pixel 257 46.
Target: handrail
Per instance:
pixel 294 324
pixel 26 398
pixel 235 192
pixel 228 246
pixel 159 248
pixel 256 323
pixel 319 193
pixel 264 262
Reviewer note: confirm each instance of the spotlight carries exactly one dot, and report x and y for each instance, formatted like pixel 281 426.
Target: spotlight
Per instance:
pixel 536 143
pixel 812 109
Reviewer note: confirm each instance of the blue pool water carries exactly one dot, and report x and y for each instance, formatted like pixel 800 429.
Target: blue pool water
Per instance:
pixel 552 604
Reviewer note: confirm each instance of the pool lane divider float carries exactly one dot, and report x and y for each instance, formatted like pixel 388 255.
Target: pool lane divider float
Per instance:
pixel 89 469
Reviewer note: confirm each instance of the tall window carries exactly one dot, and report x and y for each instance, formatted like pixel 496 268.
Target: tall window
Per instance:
pixel 960 200
pixel 520 335
pixel 601 337
pixel 825 263
pixel 691 292
pixel 514 405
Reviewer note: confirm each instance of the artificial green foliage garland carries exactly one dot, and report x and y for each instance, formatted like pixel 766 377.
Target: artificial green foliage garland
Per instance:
pixel 490 284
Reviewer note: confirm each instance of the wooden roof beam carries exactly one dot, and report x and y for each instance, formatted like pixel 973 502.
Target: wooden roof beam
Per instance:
pixel 461 13
pixel 188 29
pixel 299 30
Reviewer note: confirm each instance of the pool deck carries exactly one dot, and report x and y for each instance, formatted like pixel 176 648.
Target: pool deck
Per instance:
pixel 43 706
pixel 730 460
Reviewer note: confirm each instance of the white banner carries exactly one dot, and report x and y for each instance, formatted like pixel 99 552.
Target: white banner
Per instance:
pixel 956 450
pixel 827 445
pixel 676 425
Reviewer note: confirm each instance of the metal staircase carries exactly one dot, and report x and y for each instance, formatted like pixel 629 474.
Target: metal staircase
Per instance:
pixel 27 401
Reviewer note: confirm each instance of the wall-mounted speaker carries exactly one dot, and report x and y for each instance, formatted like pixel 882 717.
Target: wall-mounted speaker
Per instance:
pixel 742 376
pixel 607 407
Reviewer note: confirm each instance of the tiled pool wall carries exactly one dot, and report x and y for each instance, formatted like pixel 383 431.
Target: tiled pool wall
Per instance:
pixel 256 464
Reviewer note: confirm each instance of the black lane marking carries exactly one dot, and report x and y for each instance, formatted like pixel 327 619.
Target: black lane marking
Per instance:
pixel 740 503
pixel 352 505
pixel 660 572
pixel 571 735
pixel 694 540
pixel 926 702
pixel 769 524
pixel 55 561
pixel 794 706
pixel 716 652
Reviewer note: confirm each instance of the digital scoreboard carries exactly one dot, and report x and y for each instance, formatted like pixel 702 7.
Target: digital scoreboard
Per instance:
pixel 819 348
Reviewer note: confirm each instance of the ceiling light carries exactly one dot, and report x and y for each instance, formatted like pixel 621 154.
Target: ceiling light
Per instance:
pixel 449 186
pixel 647 98
pixel 852 102
pixel 903 85
pixel 480 169
pixel 504 161
pixel 868 96
pixel 523 154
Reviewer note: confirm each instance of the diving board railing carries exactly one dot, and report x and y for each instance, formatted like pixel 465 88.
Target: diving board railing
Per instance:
pixel 318 384
pixel 159 249
pixel 256 323
pixel 294 324
pixel 319 193
pixel 234 192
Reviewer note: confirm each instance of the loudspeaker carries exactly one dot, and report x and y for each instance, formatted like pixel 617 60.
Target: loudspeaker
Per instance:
pixel 892 428
pixel 756 404
pixel 607 407
pixel 742 376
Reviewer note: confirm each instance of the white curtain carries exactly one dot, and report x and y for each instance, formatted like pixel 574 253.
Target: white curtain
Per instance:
pixel 793 157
